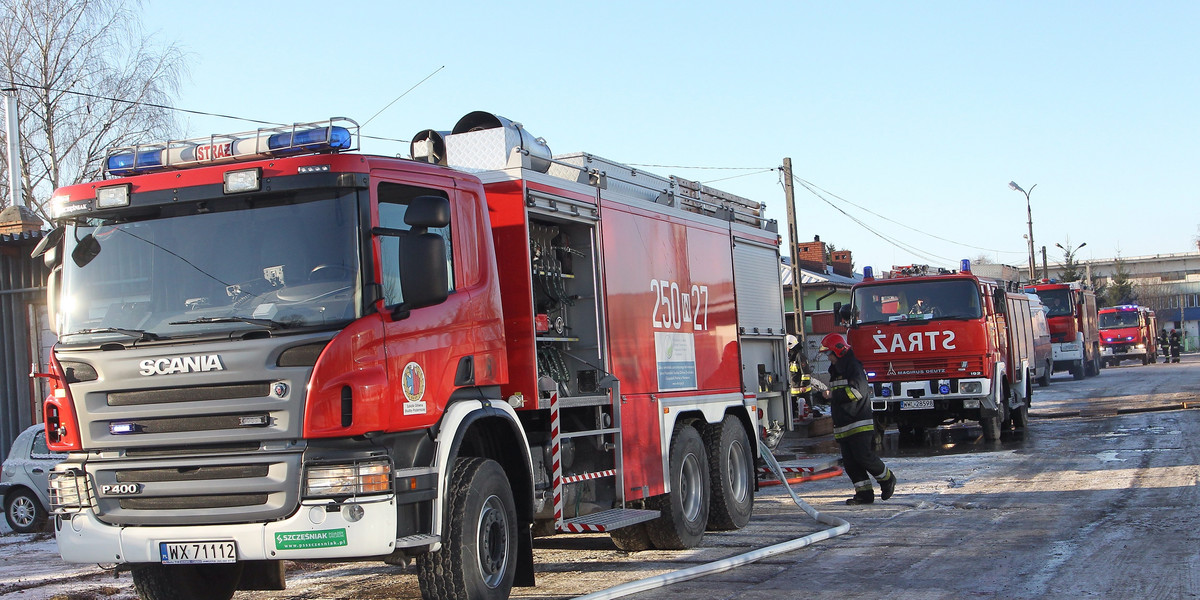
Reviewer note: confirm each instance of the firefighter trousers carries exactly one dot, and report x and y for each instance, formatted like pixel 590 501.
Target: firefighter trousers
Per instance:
pixel 861 463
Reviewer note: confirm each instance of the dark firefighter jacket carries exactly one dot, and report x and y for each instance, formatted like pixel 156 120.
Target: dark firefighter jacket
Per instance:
pixel 849 401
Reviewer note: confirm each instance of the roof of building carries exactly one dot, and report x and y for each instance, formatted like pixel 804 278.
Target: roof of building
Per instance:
pixel 808 277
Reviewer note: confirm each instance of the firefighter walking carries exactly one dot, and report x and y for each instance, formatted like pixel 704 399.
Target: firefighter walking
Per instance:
pixel 853 426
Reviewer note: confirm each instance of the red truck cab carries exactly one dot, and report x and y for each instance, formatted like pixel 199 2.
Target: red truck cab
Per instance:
pixel 1074 326
pixel 1128 332
pixel 943 346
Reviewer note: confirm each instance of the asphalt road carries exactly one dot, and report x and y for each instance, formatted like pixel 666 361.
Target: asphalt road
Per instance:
pixel 1097 499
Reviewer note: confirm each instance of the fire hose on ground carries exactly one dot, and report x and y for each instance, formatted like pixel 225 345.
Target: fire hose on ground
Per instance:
pixel 839 526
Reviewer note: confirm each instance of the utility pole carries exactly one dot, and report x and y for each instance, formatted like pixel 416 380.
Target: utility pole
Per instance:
pixel 1045 268
pixel 797 285
pixel 12 129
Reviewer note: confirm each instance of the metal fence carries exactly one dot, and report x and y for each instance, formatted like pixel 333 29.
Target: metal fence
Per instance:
pixel 22 299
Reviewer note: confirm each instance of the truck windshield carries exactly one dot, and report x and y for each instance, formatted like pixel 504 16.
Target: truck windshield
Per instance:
pixel 1058 302
pixel 1113 320
pixel 908 300
pixel 285 263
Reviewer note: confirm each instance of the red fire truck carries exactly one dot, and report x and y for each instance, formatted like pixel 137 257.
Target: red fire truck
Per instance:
pixel 1074 326
pixel 943 346
pixel 275 348
pixel 1128 332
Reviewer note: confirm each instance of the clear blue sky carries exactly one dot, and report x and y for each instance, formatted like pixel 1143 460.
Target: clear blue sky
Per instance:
pixel 919 112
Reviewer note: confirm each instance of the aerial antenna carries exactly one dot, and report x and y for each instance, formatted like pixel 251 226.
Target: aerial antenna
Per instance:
pixel 389 105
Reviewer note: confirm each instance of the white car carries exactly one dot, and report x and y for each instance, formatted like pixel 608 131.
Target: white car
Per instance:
pixel 24 484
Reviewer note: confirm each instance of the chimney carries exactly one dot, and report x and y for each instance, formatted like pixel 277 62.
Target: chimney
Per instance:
pixel 811 255
pixel 16 220
pixel 842 265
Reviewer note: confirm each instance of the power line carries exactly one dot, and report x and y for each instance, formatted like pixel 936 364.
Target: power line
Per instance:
pixel 907 226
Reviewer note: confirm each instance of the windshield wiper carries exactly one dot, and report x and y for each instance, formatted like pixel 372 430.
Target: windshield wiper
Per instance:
pixel 141 334
pixel 268 323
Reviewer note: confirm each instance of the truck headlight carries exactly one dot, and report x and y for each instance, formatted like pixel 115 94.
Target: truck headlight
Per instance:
pixel 68 491
pixel 348 480
pixel 970 387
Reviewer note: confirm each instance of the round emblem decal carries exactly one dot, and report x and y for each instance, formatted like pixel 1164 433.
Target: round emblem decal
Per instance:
pixel 413 382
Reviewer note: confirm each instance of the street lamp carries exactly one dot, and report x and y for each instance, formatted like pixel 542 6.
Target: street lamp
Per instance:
pixel 1071 257
pixel 1032 265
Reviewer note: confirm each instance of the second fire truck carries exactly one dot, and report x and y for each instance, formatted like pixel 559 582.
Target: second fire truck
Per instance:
pixel 943 346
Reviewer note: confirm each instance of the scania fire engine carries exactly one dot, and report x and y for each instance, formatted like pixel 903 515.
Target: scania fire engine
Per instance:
pixel 275 348
pixel 1074 326
pixel 1128 332
pixel 943 346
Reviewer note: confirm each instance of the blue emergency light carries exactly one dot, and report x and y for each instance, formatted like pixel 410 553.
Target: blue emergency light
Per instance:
pixel 262 143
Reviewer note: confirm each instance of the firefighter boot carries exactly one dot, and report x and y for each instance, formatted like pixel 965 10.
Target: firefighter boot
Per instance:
pixel 864 493
pixel 887 486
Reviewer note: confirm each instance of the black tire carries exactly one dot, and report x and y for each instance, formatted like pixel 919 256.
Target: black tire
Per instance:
pixel 478 558
pixel 992 425
pixel 1020 417
pixel 731 473
pixel 186 582
pixel 685 509
pixel 1077 370
pixel 634 538
pixel 24 512
pixel 1044 380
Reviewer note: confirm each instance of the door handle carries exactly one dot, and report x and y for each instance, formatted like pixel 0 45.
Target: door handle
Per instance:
pixel 38 471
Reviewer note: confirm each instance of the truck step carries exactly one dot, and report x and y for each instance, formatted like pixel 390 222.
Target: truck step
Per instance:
pixel 414 541
pixel 607 520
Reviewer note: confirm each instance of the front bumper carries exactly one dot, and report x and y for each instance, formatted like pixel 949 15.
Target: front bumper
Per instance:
pixel 1068 351
pixel 1122 351
pixel 967 393
pixel 319 530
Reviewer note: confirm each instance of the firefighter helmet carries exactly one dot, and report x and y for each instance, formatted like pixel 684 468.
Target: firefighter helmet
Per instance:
pixel 834 343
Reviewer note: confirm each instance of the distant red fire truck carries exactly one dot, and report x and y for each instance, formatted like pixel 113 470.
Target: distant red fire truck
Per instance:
pixel 1074 326
pixel 1128 332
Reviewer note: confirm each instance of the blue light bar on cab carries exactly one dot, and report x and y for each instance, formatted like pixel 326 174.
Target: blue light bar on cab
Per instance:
pixel 335 135
pixel 868 273
pixel 964 265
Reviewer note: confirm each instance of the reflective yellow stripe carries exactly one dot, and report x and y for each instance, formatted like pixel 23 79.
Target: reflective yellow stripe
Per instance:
pixel 848 433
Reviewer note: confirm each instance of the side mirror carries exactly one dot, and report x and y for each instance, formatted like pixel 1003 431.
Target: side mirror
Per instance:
pixel 49 247
pixel 85 250
pixel 423 277
pixel 53 289
pixel 1000 301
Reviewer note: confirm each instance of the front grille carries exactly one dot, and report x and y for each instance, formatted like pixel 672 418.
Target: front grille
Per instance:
pixel 151 452
pixel 194 502
pixel 198 490
pixel 189 394
pixel 191 473
pixel 201 423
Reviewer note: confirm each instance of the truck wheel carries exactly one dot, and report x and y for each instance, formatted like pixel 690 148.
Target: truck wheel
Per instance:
pixel 731 473
pixel 24 512
pixel 1077 370
pixel 634 538
pixel 685 509
pixel 991 425
pixel 1044 380
pixel 1020 416
pixel 478 558
pixel 186 582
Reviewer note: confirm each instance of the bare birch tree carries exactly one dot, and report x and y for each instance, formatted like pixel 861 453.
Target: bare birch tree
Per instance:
pixel 86 79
